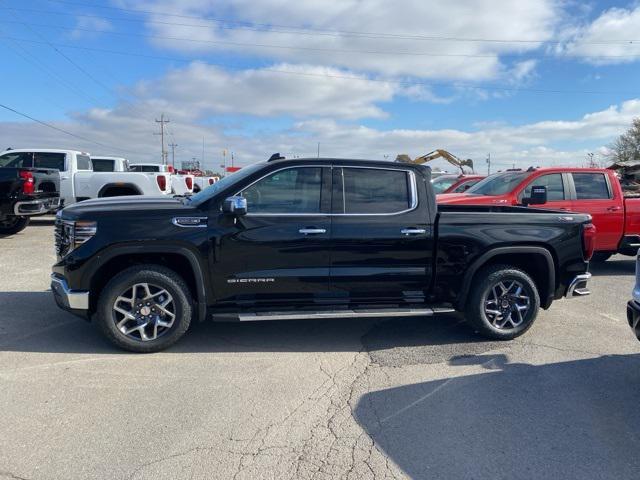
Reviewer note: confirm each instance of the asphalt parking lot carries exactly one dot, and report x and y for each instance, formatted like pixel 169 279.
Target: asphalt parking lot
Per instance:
pixel 418 398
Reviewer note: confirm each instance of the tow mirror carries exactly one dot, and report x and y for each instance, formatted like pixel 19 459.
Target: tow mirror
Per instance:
pixel 538 196
pixel 235 206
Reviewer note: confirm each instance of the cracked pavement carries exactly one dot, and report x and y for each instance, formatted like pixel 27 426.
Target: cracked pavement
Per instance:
pixel 398 398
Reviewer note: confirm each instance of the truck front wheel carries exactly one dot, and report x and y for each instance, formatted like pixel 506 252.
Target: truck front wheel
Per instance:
pixel 12 225
pixel 144 309
pixel 503 303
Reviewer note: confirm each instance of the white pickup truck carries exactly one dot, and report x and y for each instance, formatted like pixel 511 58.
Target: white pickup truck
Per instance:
pixel 79 181
pixel 180 183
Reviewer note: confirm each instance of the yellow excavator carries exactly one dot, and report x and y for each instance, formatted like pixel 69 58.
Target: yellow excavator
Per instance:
pixel 438 153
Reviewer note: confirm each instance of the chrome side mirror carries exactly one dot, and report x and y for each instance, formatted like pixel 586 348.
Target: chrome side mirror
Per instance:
pixel 235 206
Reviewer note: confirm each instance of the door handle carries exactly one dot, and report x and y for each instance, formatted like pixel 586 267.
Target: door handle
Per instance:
pixel 312 231
pixel 613 209
pixel 413 231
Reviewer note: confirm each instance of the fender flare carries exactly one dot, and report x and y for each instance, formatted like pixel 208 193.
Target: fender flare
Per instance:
pixel 191 257
pixel 481 261
pixel 119 185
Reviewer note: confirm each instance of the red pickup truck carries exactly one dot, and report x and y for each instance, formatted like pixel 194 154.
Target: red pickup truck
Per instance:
pixel 594 191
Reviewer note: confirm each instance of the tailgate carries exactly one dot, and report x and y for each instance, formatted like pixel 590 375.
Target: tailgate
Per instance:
pixel 46 180
pixel 632 215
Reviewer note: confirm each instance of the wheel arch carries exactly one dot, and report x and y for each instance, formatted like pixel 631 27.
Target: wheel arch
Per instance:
pixel 119 186
pixel 536 261
pixel 181 260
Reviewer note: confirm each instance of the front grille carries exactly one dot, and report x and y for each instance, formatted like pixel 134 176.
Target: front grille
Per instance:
pixel 62 234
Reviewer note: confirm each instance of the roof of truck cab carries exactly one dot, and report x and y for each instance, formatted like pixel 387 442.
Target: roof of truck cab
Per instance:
pixel 100 157
pixel 350 161
pixel 45 150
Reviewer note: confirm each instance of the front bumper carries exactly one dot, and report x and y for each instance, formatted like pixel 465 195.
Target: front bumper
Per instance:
pixel 76 301
pixel 578 286
pixel 36 207
pixel 633 317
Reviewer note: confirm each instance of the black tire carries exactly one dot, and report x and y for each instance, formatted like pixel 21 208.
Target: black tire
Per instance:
pixel 482 291
pixel 155 276
pixel 12 225
pixel 600 257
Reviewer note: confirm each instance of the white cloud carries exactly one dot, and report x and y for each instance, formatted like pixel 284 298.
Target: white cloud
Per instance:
pixel 202 89
pixel 410 54
pixel 605 41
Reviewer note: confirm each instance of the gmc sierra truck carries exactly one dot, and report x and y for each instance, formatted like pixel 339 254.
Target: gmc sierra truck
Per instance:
pixel 313 238
pixel 27 188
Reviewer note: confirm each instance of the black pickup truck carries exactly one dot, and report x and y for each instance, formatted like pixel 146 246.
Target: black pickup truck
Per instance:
pixel 25 190
pixel 312 238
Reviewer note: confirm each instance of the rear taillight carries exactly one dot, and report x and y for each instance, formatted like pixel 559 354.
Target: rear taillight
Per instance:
pixel 171 169
pixel 588 240
pixel 29 184
pixel 189 182
pixel 162 182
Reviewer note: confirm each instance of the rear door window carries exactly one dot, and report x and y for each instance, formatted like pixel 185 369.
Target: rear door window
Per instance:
pixel 375 191
pixel 591 186
pixel 49 160
pixel 100 165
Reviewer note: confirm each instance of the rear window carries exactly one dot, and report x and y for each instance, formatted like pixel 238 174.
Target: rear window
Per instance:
pixel 368 190
pixel 16 160
pixel 83 162
pixel 102 165
pixel 591 186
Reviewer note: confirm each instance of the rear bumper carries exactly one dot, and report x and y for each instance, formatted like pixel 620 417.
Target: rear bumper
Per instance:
pixel 578 286
pixel 36 207
pixel 74 301
pixel 633 317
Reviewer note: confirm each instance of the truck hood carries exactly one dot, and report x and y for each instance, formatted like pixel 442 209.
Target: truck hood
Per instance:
pixel 468 199
pixel 125 204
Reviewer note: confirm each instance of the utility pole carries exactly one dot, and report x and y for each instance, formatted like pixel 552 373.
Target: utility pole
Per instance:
pixel 318 149
pixel 173 154
pixel 162 123
pixel 202 158
pixel 489 164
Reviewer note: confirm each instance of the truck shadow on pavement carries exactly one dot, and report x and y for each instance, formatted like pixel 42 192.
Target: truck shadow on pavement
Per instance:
pixel 31 322
pixel 614 267
pixel 572 420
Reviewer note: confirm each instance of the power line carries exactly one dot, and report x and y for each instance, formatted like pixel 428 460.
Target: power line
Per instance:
pixel 62 130
pixel 356 78
pixel 314 31
pixel 319 49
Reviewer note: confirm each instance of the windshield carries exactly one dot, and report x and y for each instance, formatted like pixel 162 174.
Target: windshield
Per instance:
pixel 440 184
pixel 225 182
pixel 497 184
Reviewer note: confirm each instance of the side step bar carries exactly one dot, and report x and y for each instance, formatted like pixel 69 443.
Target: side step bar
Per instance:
pixel 325 314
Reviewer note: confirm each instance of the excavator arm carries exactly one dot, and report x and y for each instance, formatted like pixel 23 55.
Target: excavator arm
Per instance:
pixel 439 153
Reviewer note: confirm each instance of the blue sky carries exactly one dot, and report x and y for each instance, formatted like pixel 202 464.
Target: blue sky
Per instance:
pixel 533 82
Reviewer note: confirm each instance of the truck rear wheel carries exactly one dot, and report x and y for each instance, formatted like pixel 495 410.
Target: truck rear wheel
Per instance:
pixel 503 303
pixel 12 225
pixel 144 309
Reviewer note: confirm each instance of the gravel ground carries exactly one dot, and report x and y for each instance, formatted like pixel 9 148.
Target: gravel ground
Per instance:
pixel 419 398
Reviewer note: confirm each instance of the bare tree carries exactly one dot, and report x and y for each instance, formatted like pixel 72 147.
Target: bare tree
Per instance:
pixel 627 146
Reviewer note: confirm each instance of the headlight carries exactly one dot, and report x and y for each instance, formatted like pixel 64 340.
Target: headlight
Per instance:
pixel 70 234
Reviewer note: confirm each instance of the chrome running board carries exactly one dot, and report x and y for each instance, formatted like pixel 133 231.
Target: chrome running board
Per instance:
pixel 326 314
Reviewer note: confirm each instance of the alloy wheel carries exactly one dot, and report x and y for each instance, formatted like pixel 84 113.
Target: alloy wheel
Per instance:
pixel 507 304
pixel 144 312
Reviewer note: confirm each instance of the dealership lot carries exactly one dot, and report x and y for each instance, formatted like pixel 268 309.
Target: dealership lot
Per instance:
pixel 317 399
